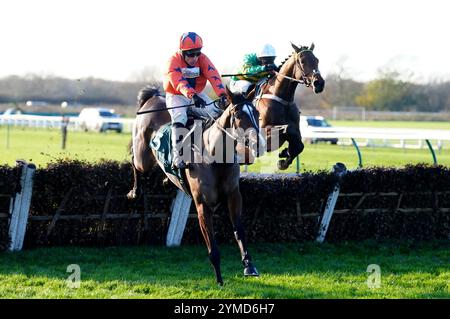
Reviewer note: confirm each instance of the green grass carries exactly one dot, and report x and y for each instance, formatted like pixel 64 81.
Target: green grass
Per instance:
pixel 321 156
pixel 394 124
pixel 41 146
pixel 306 270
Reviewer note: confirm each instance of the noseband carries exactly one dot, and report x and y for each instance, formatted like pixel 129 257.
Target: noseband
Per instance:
pixel 255 125
pixel 305 78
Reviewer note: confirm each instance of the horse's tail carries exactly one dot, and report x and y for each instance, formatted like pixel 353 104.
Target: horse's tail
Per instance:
pixel 145 94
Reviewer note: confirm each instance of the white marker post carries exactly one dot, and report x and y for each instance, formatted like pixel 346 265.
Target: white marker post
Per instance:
pixel 340 170
pixel 21 206
pixel 181 206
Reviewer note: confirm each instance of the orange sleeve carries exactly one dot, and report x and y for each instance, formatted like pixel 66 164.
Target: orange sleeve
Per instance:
pixel 213 76
pixel 176 79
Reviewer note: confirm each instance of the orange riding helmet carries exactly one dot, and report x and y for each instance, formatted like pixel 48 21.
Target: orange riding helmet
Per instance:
pixel 190 41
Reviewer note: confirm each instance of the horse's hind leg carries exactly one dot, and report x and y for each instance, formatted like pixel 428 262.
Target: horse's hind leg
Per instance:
pixel 284 153
pixel 142 161
pixel 235 209
pixel 295 147
pixel 293 137
pixel 205 219
pixel 135 192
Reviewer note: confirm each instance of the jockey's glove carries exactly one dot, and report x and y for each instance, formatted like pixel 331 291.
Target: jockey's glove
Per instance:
pixel 270 67
pixel 198 101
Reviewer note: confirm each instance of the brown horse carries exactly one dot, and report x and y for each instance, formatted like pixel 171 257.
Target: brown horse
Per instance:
pixel 276 106
pixel 209 184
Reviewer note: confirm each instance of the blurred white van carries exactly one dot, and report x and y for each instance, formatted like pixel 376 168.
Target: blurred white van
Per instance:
pixel 100 120
pixel 312 122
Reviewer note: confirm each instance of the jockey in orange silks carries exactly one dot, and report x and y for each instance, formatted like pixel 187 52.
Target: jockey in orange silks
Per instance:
pixel 185 79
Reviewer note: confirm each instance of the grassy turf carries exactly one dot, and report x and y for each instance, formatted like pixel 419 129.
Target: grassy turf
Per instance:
pixel 42 146
pixel 394 124
pixel 306 270
pixel 320 156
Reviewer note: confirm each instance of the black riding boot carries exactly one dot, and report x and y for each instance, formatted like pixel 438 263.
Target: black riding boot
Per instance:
pixel 177 161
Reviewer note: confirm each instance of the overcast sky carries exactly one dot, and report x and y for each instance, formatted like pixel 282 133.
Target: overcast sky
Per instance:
pixel 115 39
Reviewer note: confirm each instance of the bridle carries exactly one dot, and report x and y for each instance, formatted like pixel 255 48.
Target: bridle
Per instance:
pixel 305 78
pixel 234 135
pixel 249 112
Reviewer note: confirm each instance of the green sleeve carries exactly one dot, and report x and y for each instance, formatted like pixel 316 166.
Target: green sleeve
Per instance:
pixel 250 65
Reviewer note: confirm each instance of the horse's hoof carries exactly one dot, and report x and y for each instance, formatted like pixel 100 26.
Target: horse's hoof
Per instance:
pixel 220 284
pixel 284 153
pixel 282 165
pixel 251 271
pixel 132 195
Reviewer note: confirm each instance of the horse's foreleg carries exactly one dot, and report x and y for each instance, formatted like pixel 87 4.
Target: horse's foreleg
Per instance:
pixel 295 147
pixel 205 220
pixel 235 209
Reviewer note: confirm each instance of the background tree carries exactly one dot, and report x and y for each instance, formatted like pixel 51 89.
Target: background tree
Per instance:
pixel 387 92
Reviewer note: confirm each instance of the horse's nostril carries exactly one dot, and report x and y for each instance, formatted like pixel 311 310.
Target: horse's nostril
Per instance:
pixel 318 84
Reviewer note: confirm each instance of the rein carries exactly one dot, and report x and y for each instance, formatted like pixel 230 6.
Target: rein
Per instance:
pixel 289 78
pixel 241 74
pixel 173 107
pixel 234 138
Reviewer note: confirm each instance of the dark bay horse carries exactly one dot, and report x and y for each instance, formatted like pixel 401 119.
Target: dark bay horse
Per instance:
pixel 276 106
pixel 209 184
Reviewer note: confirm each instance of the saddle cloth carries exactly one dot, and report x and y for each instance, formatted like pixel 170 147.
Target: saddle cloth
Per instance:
pixel 161 143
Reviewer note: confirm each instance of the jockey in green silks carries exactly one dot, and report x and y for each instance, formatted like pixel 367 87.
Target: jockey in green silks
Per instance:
pixel 255 67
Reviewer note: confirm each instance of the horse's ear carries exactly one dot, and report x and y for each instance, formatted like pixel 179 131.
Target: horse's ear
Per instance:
pixel 312 46
pixel 296 48
pixel 229 93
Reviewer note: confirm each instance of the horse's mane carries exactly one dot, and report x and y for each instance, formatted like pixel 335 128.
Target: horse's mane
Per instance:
pixel 146 93
pixel 301 49
pixel 282 63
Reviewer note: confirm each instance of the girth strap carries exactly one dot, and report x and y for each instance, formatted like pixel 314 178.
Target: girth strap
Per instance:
pixel 273 97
